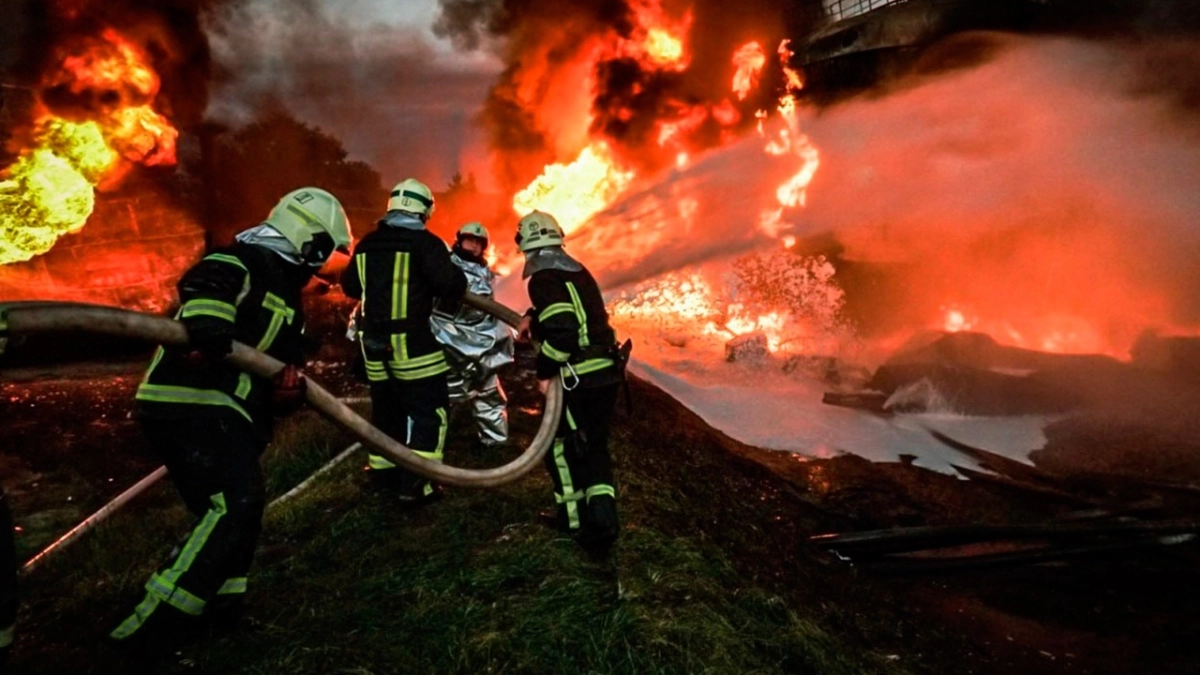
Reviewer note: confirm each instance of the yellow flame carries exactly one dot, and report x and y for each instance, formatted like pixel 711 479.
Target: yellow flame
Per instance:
pixel 662 47
pixel 48 192
pixel 574 192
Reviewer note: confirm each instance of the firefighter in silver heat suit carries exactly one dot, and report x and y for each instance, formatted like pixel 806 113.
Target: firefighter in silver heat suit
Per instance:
pixel 476 343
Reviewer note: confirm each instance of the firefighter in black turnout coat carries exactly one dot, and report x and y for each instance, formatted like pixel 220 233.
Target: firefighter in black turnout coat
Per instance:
pixel 398 272
pixel 569 320
pixel 209 421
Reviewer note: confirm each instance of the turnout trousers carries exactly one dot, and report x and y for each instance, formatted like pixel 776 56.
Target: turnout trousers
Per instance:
pixel 414 413
pixel 581 468
pixel 214 463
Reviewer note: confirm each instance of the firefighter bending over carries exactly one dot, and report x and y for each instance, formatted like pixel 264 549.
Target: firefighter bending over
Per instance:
pixel 209 422
pixel 396 273
pixel 476 343
pixel 568 318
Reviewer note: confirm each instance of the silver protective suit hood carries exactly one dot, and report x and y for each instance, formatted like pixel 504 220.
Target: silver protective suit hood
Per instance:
pixel 265 236
pixel 402 219
pixel 549 258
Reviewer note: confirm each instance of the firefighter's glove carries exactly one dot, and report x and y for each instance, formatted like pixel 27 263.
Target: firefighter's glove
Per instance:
pixel 525 329
pixel 290 387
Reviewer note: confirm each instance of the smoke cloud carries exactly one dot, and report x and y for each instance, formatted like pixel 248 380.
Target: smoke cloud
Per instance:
pixel 387 91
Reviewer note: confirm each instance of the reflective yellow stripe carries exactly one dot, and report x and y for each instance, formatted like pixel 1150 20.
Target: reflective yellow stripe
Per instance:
pixel 378 462
pixel 226 258
pixel 420 372
pixel 568 485
pixel 280 312
pixel 162 393
pixel 174 596
pixel 600 490
pixel 579 313
pixel 400 286
pixel 233 586
pixel 158 355
pixel 441 432
pixel 6 636
pixel 555 309
pixel 243 388
pixel 208 307
pixel 360 262
pixel 553 353
pixel 162 587
pixel 588 366
pixel 429 455
pixel 428 359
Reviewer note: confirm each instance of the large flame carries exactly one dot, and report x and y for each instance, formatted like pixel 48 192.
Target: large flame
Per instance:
pixel 49 190
pixel 574 192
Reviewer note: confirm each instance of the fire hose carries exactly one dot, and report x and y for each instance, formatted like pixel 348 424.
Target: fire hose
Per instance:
pixel 33 318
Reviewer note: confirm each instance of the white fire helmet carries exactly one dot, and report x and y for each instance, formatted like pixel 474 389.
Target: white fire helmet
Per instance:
pixel 538 230
pixel 412 196
pixel 476 230
pixel 314 221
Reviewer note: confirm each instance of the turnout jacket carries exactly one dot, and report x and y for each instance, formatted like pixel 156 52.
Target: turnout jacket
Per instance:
pixel 244 292
pixel 572 325
pixel 398 274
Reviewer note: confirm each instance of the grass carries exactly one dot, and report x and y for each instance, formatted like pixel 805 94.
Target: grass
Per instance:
pixel 346 581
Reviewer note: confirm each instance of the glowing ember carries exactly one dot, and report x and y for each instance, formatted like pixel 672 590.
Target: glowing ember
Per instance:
pixel 793 301
pixel 749 60
pixel 574 192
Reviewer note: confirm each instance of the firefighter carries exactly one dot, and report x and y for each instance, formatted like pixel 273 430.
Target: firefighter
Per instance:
pixel 569 320
pixel 476 343
pixel 397 272
pixel 8 582
pixel 210 422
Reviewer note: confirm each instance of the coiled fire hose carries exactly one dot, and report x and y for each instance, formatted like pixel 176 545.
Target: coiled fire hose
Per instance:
pixel 34 318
